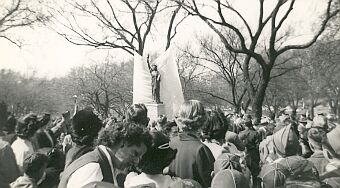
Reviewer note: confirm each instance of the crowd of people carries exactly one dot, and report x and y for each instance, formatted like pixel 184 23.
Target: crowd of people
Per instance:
pixel 198 148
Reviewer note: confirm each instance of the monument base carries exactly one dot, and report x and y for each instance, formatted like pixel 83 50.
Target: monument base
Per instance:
pixel 155 110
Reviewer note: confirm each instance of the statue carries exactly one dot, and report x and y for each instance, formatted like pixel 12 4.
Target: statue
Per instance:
pixel 155 82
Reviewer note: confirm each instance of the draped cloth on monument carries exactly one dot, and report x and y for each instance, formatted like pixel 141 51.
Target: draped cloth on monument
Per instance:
pixel 171 90
pixel 141 81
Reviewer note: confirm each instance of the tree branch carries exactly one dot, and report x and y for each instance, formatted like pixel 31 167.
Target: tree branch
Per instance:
pixel 329 15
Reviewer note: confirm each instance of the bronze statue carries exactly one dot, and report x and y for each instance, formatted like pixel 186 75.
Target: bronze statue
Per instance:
pixel 155 82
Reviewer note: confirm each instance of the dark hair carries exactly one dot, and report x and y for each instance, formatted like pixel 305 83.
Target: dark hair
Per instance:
pixel 85 126
pixel 10 124
pixel 216 126
pixel 44 138
pixel 162 120
pixel 27 126
pixel 168 126
pixel 56 158
pixel 44 119
pixel 126 132
pixel 158 156
pixel 137 113
pixel 33 164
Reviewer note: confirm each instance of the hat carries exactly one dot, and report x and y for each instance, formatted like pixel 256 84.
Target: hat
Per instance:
pixel 229 178
pixel 334 139
pixel 320 121
pixel 281 144
pixel 227 161
pixel 10 124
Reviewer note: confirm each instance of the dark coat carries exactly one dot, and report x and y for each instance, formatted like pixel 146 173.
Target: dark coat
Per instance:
pixel 194 160
pixel 251 140
pixel 9 170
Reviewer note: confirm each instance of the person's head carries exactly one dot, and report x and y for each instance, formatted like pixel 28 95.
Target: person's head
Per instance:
pixel 137 113
pixel 216 126
pixel 34 165
pixel 171 129
pixel 320 121
pixel 56 158
pixel 247 121
pixel 85 126
pixel 128 141
pixel 9 127
pixel 152 125
pixel 229 178
pixel 161 121
pixel 303 119
pixel 27 126
pixel 191 116
pixel 331 145
pixel 284 118
pixel 44 119
pixel 158 156
pixel 315 136
pixel 154 67
pixel 43 138
pixel 286 142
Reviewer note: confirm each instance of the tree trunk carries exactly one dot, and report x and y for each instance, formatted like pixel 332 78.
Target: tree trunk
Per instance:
pixel 259 97
pixel 311 111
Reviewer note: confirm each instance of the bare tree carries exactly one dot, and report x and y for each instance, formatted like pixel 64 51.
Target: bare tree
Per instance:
pixel 124 24
pixel 17 14
pixel 105 87
pixel 189 71
pixel 226 65
pixel 249 41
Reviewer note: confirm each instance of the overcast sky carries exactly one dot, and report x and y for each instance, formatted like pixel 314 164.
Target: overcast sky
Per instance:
pixel 52 56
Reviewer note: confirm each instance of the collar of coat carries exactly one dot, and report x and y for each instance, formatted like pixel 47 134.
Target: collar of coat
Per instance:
pixel 188 137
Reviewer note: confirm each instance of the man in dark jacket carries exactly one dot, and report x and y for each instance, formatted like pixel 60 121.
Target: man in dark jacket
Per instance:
pixel 251 140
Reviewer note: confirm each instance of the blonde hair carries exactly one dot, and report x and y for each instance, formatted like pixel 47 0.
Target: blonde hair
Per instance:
pixel 191 116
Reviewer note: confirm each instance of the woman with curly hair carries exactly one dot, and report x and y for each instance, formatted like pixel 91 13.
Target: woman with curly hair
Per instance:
pixel 193 160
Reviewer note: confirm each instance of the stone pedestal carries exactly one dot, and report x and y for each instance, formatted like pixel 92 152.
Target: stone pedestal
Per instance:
pixel 154 110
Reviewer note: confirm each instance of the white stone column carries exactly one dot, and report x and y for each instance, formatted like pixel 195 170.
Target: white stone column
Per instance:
pixel 154 110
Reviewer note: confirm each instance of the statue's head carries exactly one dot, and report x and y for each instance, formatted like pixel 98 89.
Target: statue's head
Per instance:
pixel 154 67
